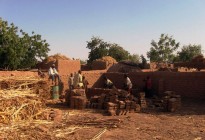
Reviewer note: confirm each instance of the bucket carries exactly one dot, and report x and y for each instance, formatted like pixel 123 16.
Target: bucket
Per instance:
pixel 55 94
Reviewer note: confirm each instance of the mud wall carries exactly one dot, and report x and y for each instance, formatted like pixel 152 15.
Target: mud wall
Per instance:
pixel 18 74
pixel 187 84
pixel 65 68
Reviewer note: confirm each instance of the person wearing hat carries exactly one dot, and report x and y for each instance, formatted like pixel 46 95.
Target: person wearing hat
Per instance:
pixel 53 74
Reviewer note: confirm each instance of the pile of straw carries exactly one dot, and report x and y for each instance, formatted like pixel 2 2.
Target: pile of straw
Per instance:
pixel 21 99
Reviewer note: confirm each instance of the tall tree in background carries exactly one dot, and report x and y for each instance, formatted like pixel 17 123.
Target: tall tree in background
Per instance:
pixel 118 52
pixel 99 48
pixel 135 58
pixel 163 50
pixel 19 50
pixel 189 52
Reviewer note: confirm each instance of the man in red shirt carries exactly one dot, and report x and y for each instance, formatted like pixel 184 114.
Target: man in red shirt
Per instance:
pixel 148 87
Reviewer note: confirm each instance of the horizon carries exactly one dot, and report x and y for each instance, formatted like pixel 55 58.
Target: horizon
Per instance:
pixel 68 25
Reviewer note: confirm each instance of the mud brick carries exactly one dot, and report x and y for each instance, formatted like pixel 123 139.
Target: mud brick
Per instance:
pixel 79 92
pixel 138 108
pixel 132 110
pixel 178 100
pixel 169 93
pixel 94 99
pixel 111 112
pixel 118 112
pixel 100 105
pixel 88 105
pixel 121 105
pixel 109 104
pixel 141 95
pixel 133 105
pixel 113 99
pixel 72 102
pixel 172 105
pixel 165 102
pixel 95 105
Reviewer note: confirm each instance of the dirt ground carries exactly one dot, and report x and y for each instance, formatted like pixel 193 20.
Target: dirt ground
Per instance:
pixel 188 123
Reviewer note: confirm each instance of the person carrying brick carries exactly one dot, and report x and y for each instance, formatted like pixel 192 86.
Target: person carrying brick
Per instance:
pixel 127 83
pixel 53 74
pixel 107 83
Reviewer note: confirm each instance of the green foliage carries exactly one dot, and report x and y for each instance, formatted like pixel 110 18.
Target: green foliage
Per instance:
pixel 118 52
pixel 99 48
pixel 135 58
pixel 163 50
pixel 189 52
pixel 18 50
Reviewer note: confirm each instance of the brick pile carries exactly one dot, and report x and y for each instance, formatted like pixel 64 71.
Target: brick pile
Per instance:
pixel 116 102
pixel 77 99
pixel 171 101
pixel 142 100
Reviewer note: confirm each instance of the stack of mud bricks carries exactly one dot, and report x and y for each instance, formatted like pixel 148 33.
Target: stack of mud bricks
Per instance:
pixel 171 101
pixel 142 100
pixel 117 102
pixel 78 99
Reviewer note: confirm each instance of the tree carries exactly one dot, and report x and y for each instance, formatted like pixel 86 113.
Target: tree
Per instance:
pixel 19 50
pixel 135 58
pixel 118 52
pixel 189 52
pixel 99 48
pixel 163 50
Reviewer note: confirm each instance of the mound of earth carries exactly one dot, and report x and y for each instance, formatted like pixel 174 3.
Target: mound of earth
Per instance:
pixel 56 57
pixel 108 59
pixel 124 67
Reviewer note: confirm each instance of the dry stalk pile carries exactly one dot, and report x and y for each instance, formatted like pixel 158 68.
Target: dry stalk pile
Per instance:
pixel 22 99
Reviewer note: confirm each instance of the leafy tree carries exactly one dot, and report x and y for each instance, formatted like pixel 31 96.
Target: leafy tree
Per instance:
pixel 118 52
pixel 135 58
pixel 19 50
pixel 163 50
pixel 144 60
pixel 189 52
pixel 98 48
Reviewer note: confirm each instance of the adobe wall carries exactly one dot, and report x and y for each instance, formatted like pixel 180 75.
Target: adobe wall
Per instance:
pixel 18 74
pixel 65 68
pixel 99 65
pixel 186 84
pixel 198 65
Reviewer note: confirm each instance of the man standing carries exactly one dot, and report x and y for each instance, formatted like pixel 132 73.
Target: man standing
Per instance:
pixel 53 74
pixel 71 81
pixel 127 83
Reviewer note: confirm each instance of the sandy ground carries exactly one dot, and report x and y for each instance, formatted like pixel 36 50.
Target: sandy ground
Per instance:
pixel 188 123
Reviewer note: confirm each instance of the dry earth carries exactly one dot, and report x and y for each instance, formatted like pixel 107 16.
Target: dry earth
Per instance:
pixel 188 123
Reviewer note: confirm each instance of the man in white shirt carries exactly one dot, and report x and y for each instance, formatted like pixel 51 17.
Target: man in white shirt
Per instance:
pixel 127 83
pixel 53 73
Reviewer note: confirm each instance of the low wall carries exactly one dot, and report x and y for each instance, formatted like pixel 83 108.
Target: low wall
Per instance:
pixel 187 84
pixel 197 65
pixel 18 74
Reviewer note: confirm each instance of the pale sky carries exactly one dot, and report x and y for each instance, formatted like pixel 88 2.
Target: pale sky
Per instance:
pixel 68 24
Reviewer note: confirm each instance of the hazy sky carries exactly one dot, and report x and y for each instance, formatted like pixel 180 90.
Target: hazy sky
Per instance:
pixel 68 24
